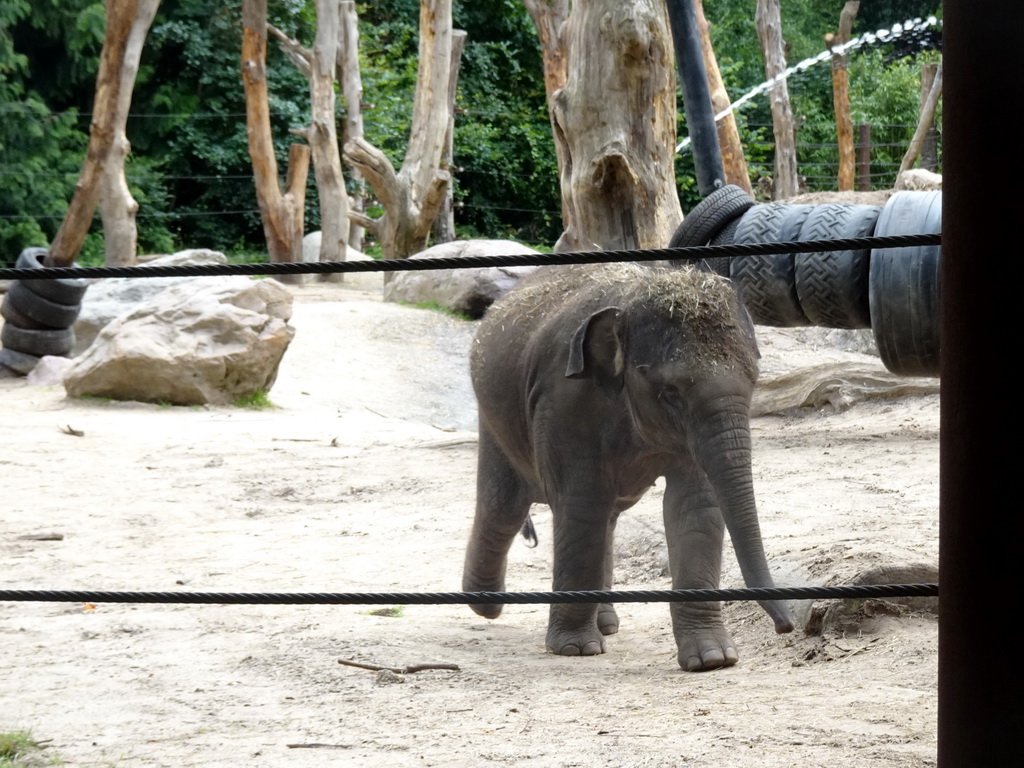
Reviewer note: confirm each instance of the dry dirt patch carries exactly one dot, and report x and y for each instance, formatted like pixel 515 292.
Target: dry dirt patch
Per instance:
pixel 362 480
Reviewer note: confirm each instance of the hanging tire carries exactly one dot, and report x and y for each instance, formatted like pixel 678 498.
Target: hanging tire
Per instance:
pixel 721 264
pixel 37 342
pixel 48 313
pixel 767 284
pixel 18 362
pixel 832 286
pixel 903 286
pixel 63 290
pixel 710 216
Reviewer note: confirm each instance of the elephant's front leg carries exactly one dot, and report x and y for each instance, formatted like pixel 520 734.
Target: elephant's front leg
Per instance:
pixel 502 504
pixel 607 618
pixel 581 531
pixel 695 531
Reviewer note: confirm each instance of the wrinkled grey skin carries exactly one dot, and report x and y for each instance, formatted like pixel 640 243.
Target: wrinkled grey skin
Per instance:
pixel 592 382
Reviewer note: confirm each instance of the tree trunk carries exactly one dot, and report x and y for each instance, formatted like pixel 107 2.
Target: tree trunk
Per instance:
pixel 117 206
pixel 412 196
pixel 281 212
pixel 352 93
pixel 319 65
pixel 444 224
pixel 768 20
pixel 930 147
pixel 924 123
pixel 841 96
pixel 323 137
pixel 549 18
pixel 615 124
pixel 734 163
pixel 121 17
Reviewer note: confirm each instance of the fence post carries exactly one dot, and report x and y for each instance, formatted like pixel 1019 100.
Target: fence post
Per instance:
pixel 863 157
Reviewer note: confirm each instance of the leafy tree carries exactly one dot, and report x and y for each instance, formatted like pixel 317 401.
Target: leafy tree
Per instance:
pixel 190 169
pixel 40 148
pixel 506 179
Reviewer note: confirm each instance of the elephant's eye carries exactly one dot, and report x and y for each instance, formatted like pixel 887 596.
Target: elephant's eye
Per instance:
pixel 670 393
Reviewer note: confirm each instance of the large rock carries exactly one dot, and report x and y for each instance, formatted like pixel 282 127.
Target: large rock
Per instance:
pixel 363 280
pixel 918 179
pixel 109 298
pixel 209 340
pixel 466 291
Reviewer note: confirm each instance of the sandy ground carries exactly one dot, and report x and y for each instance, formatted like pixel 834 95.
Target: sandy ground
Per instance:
pixel 361 479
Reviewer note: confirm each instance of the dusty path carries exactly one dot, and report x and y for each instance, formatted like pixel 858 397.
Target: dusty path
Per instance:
pixel 362 480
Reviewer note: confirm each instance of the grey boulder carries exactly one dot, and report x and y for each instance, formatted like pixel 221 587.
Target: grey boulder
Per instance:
pixel 208 340
pixel 361 280
pixel 108 298
pixel 467 291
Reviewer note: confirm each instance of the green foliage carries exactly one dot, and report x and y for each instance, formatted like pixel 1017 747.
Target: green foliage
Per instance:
pixel 18 749
pixel 433 306
pixel 257 401
pixel 390 612
pixel 190 169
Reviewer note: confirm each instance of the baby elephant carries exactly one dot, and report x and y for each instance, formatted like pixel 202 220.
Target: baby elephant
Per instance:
pixel 592 382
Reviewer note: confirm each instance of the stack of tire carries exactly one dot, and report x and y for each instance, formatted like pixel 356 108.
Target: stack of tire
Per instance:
pixel 38 316
pixel 893 291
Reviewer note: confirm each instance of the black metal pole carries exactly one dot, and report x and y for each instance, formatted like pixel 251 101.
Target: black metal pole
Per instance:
pixel 700 116
pixel 981 690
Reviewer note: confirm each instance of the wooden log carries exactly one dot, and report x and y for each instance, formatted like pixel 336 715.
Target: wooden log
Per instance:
pixel 841 96
pixel 282 212
pixel 73 229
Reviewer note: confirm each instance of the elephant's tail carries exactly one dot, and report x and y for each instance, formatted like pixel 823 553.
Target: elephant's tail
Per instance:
pixel 529 532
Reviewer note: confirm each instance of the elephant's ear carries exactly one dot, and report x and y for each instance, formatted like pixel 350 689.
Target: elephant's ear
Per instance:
pixel 747 323
pixel 595 350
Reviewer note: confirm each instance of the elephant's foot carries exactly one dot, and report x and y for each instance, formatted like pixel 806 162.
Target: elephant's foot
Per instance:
pixel 704 648
pixel 607 619
pixel 487 610
pixel 574 635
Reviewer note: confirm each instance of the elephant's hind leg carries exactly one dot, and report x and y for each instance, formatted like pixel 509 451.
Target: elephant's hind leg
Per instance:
pixel 502 504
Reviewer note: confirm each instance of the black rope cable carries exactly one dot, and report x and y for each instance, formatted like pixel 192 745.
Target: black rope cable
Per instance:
pixel 689 253
pixel 466 598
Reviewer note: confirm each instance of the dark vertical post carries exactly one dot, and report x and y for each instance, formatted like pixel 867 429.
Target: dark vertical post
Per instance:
pixel 981 704
pixel 863 157
pixel 700 117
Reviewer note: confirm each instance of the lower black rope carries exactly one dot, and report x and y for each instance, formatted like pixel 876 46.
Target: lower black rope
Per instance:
pixel 467 598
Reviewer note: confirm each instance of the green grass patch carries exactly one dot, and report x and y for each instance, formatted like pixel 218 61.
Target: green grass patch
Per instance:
pixel 19 750
pixel 433 306
pixel 257 401
pixel 391 612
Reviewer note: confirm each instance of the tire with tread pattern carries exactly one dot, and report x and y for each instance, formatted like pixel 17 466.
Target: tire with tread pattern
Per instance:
pixel 767 284
pixel 903 286
pixel 721 264
pixel 832 286
pixel 710 216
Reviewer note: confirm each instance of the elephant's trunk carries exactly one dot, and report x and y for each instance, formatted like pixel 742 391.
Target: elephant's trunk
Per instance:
pixel 723 450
